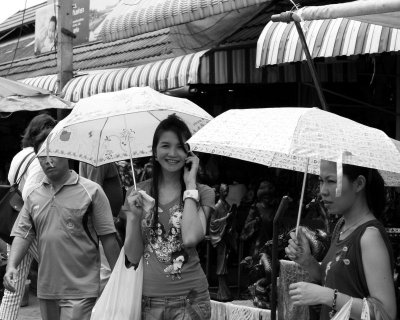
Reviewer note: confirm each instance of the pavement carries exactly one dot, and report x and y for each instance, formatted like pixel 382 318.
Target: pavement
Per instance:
pixel 31 311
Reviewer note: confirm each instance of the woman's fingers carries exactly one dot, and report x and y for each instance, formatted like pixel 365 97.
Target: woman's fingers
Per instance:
pixel 290 254
pixel 135 199
pixel 302 237
pixel 293 245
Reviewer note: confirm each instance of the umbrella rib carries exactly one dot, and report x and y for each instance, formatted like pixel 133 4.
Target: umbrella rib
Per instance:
pixel 100 135
pixel 154 116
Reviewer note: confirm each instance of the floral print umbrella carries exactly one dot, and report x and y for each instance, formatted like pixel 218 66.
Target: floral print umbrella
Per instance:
pixel 114 126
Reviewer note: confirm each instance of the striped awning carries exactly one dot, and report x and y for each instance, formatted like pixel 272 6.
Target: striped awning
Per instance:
pixel 128 20
pixel 160 75
pixel 279 42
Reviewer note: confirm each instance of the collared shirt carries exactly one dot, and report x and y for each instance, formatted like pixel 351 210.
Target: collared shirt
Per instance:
pixel 69 261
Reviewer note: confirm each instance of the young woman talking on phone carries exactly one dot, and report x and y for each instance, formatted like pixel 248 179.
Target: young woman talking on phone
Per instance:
pixel 171 290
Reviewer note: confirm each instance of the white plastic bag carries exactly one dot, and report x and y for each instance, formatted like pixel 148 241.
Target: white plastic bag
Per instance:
pixel 122 296
pixel 344 312
pixel 365 314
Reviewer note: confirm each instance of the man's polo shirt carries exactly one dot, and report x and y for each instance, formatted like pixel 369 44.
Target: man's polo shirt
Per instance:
pixel 69 263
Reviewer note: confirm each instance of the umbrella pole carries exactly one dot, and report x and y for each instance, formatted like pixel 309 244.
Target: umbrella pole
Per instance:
pixel 130 154
pixel 133 172
pixel 311 66
pixel 302 197
pixel 288 17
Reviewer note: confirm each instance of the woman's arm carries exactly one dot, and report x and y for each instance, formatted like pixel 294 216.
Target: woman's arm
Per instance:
pixel 132 211
pixel 377 269
pixel 194 222
pixel 194 218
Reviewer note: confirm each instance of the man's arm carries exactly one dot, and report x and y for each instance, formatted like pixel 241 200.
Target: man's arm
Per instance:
pixel 111 248
pixel 18 250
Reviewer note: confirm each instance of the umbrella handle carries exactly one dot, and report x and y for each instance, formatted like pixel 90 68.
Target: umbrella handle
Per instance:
pixel 302 197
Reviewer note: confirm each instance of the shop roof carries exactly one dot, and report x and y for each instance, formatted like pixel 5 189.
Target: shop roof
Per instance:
pixel 127 52
pixel 15 20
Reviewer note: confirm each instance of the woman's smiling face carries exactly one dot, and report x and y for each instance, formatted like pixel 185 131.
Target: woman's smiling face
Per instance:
pixel 171 154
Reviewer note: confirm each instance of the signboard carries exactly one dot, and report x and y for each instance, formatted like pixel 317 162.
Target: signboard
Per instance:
pixel 80 20
pixel 99 9
pixel 87 20
pixel 46 29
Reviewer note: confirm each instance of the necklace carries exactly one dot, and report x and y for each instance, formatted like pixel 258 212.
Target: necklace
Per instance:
pixel 353 225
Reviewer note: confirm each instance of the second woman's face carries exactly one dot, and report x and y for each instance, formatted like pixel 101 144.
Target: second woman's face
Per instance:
pixel 171 155
pixel 328 184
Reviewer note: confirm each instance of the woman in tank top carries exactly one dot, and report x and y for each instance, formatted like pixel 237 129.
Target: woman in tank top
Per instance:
pixel 359 262
pixel 174 284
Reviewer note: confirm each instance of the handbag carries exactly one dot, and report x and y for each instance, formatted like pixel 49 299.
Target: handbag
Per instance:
pixel 11 202
pixel 122 296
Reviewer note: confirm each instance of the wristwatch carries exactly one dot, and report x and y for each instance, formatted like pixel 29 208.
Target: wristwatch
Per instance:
pixel 193 194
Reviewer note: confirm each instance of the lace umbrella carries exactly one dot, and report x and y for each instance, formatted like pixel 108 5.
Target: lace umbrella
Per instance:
pixel 297 139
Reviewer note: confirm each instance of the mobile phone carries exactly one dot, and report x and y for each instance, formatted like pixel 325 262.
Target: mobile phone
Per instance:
pixel 190 153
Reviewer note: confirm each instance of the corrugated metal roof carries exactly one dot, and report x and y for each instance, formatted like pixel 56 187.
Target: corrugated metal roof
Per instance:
pixel 250 32
pixel 279 42
pixel 16 19
pixel 122 53
pixel 128 20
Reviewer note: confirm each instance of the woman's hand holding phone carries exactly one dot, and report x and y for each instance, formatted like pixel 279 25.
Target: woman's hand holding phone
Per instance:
pixel 190 170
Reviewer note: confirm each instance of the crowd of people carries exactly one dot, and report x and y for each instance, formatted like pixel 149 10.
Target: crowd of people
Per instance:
pixel 74 224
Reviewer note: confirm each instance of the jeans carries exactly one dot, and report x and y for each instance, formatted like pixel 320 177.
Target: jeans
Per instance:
pixel 194 306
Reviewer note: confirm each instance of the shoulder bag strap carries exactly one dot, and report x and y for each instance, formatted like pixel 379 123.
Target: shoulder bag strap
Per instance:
pixel 26 168
pixel 20 165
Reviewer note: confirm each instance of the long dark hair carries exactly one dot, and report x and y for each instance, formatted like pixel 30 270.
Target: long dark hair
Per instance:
pixel 374 186
pixel 176 125
pixel 35 127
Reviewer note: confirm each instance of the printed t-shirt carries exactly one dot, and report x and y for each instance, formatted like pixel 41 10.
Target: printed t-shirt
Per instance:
pixel 69 261
pixel 169 268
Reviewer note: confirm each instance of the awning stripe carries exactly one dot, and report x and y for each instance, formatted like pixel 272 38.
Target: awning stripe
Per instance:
pixel 279 42
pixel 161 75
pixel 45 82
pixel 147 16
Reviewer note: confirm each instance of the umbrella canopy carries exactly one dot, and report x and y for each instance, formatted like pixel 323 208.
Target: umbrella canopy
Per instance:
pixel 17 96
pixel 289 138
pixel 115 126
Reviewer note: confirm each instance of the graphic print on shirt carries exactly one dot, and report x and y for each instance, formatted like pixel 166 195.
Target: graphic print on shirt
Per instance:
pixel 340 258
pixel 167 245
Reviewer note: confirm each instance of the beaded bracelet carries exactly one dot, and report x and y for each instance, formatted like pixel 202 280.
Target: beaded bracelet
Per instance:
pixel 333 308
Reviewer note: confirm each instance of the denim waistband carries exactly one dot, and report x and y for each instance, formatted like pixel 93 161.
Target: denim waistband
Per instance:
pixel 178 301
